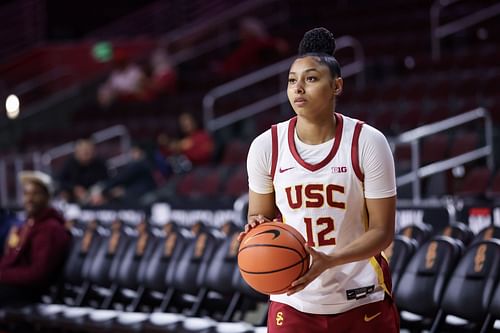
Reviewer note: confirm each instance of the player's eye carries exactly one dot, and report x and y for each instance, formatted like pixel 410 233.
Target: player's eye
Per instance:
pixel 291 80
pixel 312 78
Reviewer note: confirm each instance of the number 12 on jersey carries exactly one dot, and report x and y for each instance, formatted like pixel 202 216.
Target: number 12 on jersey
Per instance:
pixel 323 237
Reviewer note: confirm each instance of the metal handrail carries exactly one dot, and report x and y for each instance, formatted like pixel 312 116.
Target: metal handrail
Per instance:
pixel 439 32
pixel 213 123
pixel 414 136
pixel 44 161
pixel 98 137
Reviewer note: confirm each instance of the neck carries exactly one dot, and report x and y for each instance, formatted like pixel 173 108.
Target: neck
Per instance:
pixel 316 131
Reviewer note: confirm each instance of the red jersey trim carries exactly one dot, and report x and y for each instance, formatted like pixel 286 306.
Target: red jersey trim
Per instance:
pixel 328 158
pixel 355 151
pixel 274 153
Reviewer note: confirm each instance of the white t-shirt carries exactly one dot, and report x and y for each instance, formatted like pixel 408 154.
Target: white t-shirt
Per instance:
pixel 375 158
pixel 320 190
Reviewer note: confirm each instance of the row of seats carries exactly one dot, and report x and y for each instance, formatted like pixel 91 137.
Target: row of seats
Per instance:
pixel 122 278
pixel 129 279
pixel 447 282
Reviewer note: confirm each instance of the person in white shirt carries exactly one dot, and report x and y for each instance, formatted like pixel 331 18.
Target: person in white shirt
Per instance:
pixel 332 178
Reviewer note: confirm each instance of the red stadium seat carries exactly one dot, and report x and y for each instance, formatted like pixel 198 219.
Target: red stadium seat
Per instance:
pixel 475 182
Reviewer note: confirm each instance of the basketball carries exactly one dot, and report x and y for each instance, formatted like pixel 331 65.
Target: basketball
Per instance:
pixel 271 256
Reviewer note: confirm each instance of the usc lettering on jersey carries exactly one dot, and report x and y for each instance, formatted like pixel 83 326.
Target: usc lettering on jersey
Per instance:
pixel 325 202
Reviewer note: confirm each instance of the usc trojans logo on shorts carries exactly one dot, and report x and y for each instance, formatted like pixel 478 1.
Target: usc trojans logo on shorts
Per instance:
pixel 279 318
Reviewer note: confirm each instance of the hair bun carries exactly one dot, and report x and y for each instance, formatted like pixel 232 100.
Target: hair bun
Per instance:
pixel 317 40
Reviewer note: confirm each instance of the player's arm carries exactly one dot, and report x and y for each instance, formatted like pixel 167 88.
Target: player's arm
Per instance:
pixel 261 208
pixel 261 204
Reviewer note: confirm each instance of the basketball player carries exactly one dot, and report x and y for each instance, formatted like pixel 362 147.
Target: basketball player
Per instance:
pixel 332 178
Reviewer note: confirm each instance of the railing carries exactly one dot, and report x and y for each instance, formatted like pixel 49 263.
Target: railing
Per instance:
pixel 439 32
pixel 117 131
pixel 213 123
pixel 38 161
pixel 222 39
pixel 414 136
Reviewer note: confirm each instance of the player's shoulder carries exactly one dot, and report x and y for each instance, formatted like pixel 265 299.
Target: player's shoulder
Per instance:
pixel 366 130
pixel 262 139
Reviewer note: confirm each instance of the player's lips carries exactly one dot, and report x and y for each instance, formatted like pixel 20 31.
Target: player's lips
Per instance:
pixel 299 101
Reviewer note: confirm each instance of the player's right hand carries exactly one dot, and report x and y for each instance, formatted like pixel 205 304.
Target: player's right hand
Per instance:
pixel 253 221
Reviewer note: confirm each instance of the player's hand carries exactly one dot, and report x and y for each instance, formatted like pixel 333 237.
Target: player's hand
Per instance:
pixel 320 263
pixel 253 221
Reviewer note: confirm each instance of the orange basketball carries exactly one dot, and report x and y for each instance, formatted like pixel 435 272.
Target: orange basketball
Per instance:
pixel 272 256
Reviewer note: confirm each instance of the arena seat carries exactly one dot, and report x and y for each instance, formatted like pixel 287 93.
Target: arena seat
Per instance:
pixel 100 279
pixel 492 321
pixel 217 291
pixel 421 285
pixel 475 183
pixel 166 252
pixel 127 288
pixel 399 254
pixel 460 231
pixel 248 300
pixel 186 277
pixel 73 286
pixel 470 288
pixel 237 184
pixel 490 232
pixel 419 232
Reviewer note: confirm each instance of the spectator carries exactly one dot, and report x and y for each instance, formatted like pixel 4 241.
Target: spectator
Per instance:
pixel 163 77
pixel 80 172
pixel 127 81
pixel 196 147
pixel 256 47
pixel 35 252
pixel 129 184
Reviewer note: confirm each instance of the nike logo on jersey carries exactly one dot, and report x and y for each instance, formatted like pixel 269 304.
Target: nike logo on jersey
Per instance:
pixel 283 170
pixel 370 318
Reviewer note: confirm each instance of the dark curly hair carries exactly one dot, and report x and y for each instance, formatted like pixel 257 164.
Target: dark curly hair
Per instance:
pixel 320 43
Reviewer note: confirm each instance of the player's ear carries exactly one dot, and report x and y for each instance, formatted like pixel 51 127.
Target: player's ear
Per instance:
pixel 338 86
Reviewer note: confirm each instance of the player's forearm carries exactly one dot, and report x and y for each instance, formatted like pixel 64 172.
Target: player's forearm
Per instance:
pixel 368 245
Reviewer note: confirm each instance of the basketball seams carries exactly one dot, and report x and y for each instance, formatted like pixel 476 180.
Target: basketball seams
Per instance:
pixel 276 270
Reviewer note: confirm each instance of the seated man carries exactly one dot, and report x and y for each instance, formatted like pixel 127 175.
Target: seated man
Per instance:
pixel 80 172
pixel 35 252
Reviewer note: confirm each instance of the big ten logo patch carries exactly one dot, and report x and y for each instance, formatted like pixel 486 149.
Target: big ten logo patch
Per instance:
pixel 341 169
pixel 480 258
pixel 279 318
pixel 430 257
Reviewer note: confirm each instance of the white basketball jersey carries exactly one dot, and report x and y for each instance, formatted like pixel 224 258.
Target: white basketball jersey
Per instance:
pixel 325 202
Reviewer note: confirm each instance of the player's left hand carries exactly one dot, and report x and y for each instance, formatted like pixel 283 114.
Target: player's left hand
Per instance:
pixel 320 263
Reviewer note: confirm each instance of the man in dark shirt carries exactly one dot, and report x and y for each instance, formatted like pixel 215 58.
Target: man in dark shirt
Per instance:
pixel 80 172
pixel 35 252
